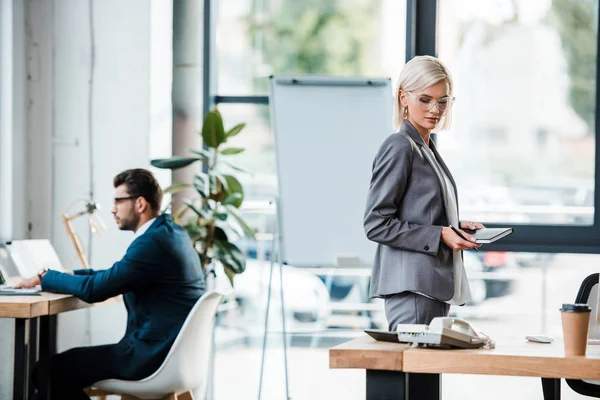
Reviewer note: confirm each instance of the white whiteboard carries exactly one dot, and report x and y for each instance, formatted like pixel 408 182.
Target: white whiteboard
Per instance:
pixel 327 131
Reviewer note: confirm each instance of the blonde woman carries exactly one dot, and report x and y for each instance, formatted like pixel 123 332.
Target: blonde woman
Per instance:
pixel 412 205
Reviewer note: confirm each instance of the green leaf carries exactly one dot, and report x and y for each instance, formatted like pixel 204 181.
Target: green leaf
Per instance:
pixel 200 184
pixel 202 153
pixel 232 150
pixel 229 272
pixel 195 232
pixel 229 254
pixel 176 187
pixel 232 199
pixel 234 186
pixel 220 216
pixel 235 130
pixel 173 162
pixel 247 230
pixel 201 213
pixel 231 228
pixel 219 194
pixel 220 235
pixel 201 178
pixel 213 133
pixel 235 167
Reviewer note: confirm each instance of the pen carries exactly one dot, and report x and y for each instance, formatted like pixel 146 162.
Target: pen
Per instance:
pixel 460 235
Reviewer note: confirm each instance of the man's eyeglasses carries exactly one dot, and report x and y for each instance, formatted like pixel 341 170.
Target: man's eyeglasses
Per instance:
pixel 426 103
pixel 117 200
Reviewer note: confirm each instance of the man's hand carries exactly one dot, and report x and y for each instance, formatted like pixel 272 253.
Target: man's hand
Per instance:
pixel 28 283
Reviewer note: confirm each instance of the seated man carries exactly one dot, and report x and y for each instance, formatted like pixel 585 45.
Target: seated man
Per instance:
pixel 160 278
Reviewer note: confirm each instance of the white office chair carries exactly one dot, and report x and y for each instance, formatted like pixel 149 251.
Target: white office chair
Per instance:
pixel 186 366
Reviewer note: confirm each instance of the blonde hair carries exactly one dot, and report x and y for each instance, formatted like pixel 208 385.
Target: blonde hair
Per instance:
pixel 418 74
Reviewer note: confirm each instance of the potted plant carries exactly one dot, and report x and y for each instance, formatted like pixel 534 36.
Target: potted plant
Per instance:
pixel 214 221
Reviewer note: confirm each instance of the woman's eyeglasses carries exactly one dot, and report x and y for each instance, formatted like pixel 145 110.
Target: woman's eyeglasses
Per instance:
pixel 427 103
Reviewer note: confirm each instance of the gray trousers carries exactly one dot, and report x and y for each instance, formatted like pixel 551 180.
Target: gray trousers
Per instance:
pixel 412 308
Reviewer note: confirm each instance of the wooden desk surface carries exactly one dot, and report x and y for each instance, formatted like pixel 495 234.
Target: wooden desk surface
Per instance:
pixel 367 353
pixel 515 357
pixel 46 304
pixel 23 306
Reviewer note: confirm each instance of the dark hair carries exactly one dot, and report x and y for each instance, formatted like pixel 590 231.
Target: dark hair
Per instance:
pixel 141 182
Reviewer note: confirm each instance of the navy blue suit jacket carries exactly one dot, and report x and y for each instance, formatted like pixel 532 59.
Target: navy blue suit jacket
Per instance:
pixel 160 278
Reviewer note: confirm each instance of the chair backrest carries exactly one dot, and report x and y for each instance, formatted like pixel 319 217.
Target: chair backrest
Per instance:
pixel 186 365
pixel 588 293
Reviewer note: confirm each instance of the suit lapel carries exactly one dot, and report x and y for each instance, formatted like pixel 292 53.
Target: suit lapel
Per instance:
pixel 442 163
pixel 412 132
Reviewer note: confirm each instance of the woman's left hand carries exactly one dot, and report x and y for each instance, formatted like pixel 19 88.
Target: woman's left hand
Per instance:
pixel 472 226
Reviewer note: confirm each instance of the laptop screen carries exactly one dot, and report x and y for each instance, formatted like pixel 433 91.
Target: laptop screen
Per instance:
pixel 7 265
pixel 28 257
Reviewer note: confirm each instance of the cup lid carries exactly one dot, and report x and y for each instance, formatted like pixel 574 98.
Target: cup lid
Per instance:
pixel 575 307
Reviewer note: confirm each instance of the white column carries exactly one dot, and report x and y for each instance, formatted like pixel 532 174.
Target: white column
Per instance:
pixel 6 118
pixel 187 87
pixel 13 222
pixel 6 181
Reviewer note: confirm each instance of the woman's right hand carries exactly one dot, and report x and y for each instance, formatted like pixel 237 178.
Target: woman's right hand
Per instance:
pixel 455 242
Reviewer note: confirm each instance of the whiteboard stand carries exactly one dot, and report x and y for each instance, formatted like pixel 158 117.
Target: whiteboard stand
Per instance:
pixel 274 258
pixel 326 132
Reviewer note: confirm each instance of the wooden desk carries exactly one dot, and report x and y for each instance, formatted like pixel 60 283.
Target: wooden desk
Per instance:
pixel 396 371
pixel 33 315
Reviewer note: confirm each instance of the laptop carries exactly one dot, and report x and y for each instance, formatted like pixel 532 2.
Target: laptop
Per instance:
pixel 31 256
pixel 7 265
pixel 26 258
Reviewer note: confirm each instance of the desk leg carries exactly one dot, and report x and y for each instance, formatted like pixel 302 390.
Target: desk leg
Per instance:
pixel 47 339
pixel 21 362
pixel 551 388
pixel 424 386
pixel 47 336
pixel 396 385
pixel 33 347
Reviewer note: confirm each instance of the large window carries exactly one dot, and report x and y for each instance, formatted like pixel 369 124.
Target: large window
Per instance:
pixel 258 38
pixel 522 145
pixel 522 149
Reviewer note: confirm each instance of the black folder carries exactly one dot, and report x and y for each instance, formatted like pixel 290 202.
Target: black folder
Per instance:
pixel 490 235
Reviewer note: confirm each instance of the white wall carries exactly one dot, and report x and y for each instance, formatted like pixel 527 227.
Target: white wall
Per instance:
pixel 87 118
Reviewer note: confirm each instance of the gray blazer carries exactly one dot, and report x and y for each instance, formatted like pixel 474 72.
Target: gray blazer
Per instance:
pixel 404 215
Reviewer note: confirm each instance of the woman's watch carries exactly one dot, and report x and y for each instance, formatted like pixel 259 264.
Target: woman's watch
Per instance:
pixel 42 273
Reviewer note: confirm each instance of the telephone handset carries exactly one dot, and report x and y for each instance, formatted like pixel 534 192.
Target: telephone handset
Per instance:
pixel 456 324
pixel 444 332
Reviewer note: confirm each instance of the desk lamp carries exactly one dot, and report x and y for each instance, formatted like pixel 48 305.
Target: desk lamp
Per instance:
pixel 97 226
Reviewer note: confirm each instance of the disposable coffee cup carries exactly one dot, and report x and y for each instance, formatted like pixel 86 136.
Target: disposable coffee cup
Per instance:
pixel 575 324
